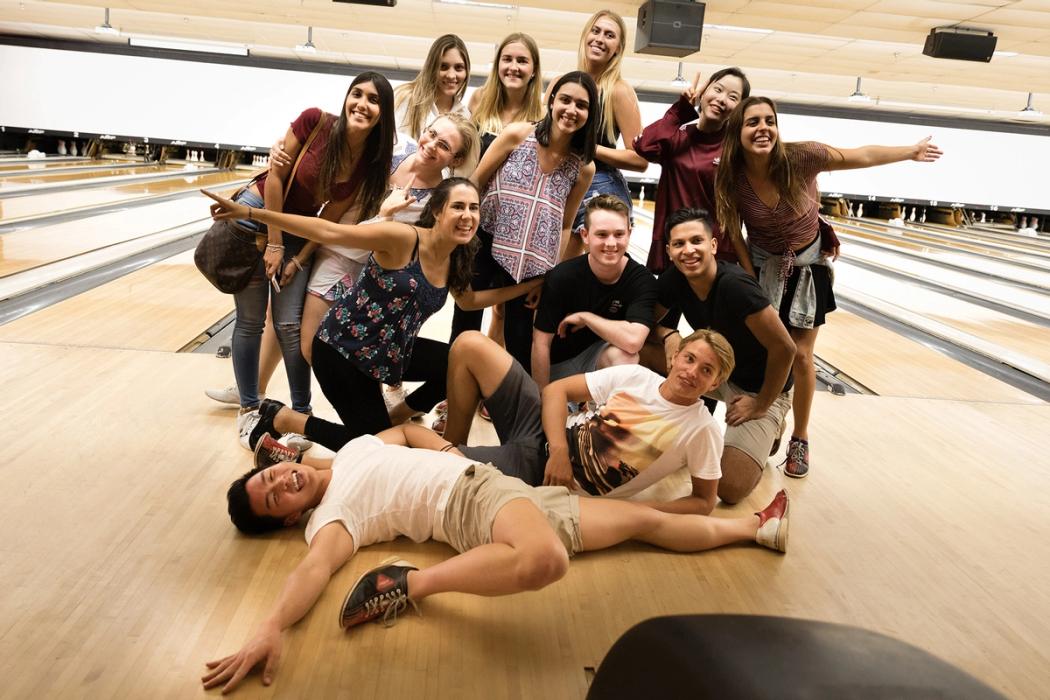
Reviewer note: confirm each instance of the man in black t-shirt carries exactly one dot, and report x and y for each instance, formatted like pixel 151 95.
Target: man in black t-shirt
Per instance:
pixel 723 297
pixel 596 309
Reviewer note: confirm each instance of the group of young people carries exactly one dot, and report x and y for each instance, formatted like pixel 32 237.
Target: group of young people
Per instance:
pixel 408 196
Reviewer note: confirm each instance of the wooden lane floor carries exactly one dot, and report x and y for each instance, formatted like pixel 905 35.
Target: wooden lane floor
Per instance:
pixel 8 168
pixel 891 365
pixel 53 177
pixel 19 162
pixel 160 307
pixel 961 242
pixel 122 574
pixel 23 209
pixel 1029 339
pixel 30 248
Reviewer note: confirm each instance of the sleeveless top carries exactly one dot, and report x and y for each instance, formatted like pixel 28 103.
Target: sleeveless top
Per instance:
pixel 375 322
pixel 523 208
pixel 602 140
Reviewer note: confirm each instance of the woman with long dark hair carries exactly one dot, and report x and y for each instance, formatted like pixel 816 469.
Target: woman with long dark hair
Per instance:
pixel 369 336
pixel 689 155
pixel 771 187
pixel 346 161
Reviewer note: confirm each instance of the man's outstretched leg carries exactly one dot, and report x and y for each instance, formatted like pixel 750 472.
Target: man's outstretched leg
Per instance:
pixel 476 367
pixel 524 554
pixel 605 522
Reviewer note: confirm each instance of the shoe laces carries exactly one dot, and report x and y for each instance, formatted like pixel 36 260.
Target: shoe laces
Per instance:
pixel 249 423
pixel 390 604
pixel 797 451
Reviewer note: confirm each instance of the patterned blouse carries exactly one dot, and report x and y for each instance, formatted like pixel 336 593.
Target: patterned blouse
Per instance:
pixel 375 322
pixel 523 208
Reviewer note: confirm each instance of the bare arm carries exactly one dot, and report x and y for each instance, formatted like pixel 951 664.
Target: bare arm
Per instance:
pixel 556 398
pixel 869 156
pixel 700 502
pixel 273 200
pixel 572 205
pixel 332 547
pixel 742 253
pixel 626 335
pixel 510 138
pixel 471 300
pixel 386 236
pixel 412 435
pixel 541 357
pixel 768 329
pixel 629 119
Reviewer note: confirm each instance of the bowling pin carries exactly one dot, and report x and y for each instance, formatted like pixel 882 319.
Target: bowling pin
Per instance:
pixel 73 148
pixel 61 147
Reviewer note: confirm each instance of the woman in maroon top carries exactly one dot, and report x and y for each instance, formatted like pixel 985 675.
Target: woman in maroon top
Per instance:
pixel 348 160
pixel 771 187
pixel 688 156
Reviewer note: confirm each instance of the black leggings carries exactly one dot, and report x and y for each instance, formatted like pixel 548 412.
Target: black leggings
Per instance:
pixel 517 320
pixel 358 398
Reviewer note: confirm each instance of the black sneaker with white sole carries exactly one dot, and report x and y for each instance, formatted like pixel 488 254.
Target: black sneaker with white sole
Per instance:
pixel 381 592
pixel 267 412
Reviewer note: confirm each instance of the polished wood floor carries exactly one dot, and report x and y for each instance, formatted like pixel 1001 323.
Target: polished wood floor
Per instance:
pixel 925 517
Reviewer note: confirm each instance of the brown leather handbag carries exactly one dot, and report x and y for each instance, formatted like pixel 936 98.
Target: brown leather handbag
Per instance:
pixel 228 254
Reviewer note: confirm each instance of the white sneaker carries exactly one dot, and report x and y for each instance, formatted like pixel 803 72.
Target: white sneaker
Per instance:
pixel 246 423
pixel 393 395
pixel 228 395
pixel 297 441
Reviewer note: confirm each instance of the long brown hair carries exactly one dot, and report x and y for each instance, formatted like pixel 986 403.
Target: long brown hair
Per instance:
pixel 461 262
pixel 493 97
pixel 379 149
pixel 421 91
pixel 792 188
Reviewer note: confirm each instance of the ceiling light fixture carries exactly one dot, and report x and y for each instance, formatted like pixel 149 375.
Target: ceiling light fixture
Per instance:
pixel 157 42
pixel 731 28
pixel 857 95
pixel 308 47
pixel 679 79
pixel 106 27
pixel 474 3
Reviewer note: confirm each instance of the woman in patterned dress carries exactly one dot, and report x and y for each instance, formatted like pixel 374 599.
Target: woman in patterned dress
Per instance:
pixel 534 177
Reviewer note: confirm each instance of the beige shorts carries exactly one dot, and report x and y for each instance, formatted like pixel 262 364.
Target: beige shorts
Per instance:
pixel 482 490
pixel 755 437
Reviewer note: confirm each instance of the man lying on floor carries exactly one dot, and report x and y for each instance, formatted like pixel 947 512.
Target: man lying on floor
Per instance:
pixel 409 481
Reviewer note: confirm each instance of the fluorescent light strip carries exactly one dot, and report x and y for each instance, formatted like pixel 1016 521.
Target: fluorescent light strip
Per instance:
pixel 730 28
pixel 186 45
pixel 474 3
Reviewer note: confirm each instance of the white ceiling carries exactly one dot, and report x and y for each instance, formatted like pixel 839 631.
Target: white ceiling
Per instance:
pixel 813 55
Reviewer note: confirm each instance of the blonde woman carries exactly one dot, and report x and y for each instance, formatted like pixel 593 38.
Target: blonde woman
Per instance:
pixel 437 90
pixel 600 55
pixel 512 92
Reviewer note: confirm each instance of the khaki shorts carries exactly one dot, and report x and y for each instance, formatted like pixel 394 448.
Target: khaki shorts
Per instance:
pixel 480 493
pixel 755 437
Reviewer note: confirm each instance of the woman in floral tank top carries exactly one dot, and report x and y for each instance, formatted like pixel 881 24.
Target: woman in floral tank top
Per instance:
pixel 534 178
pixel 370 334
pixel 771 187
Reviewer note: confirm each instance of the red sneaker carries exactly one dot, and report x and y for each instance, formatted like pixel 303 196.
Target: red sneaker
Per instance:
pixel 796 464
pixel 773 523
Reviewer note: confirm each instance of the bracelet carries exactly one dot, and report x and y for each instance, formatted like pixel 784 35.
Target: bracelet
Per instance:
pixel 274 246
pixel 667 335
pixel 447 447
pixel 295 261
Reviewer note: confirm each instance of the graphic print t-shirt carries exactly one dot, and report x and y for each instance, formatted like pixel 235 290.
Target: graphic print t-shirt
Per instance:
pixel 631 437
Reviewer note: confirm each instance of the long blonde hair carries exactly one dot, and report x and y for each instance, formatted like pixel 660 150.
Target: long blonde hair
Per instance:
pixel 610 76
pixel 492 97
pixel 420 92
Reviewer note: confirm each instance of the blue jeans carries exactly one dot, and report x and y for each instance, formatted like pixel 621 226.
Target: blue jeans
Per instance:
pixel 606 181
pixel 287 311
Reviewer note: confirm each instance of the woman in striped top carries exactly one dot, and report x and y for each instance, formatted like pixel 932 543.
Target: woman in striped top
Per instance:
pixel 771 188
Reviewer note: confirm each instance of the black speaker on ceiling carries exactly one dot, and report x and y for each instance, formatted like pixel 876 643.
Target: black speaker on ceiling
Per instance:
pixel 960 44
pixel 669 27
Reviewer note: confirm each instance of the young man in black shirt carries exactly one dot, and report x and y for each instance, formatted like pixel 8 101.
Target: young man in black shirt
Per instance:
pixel 596 309
pixel 723 297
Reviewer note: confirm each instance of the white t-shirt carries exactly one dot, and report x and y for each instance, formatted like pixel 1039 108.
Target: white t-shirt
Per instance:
pixel 380 491
pixel 632 437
